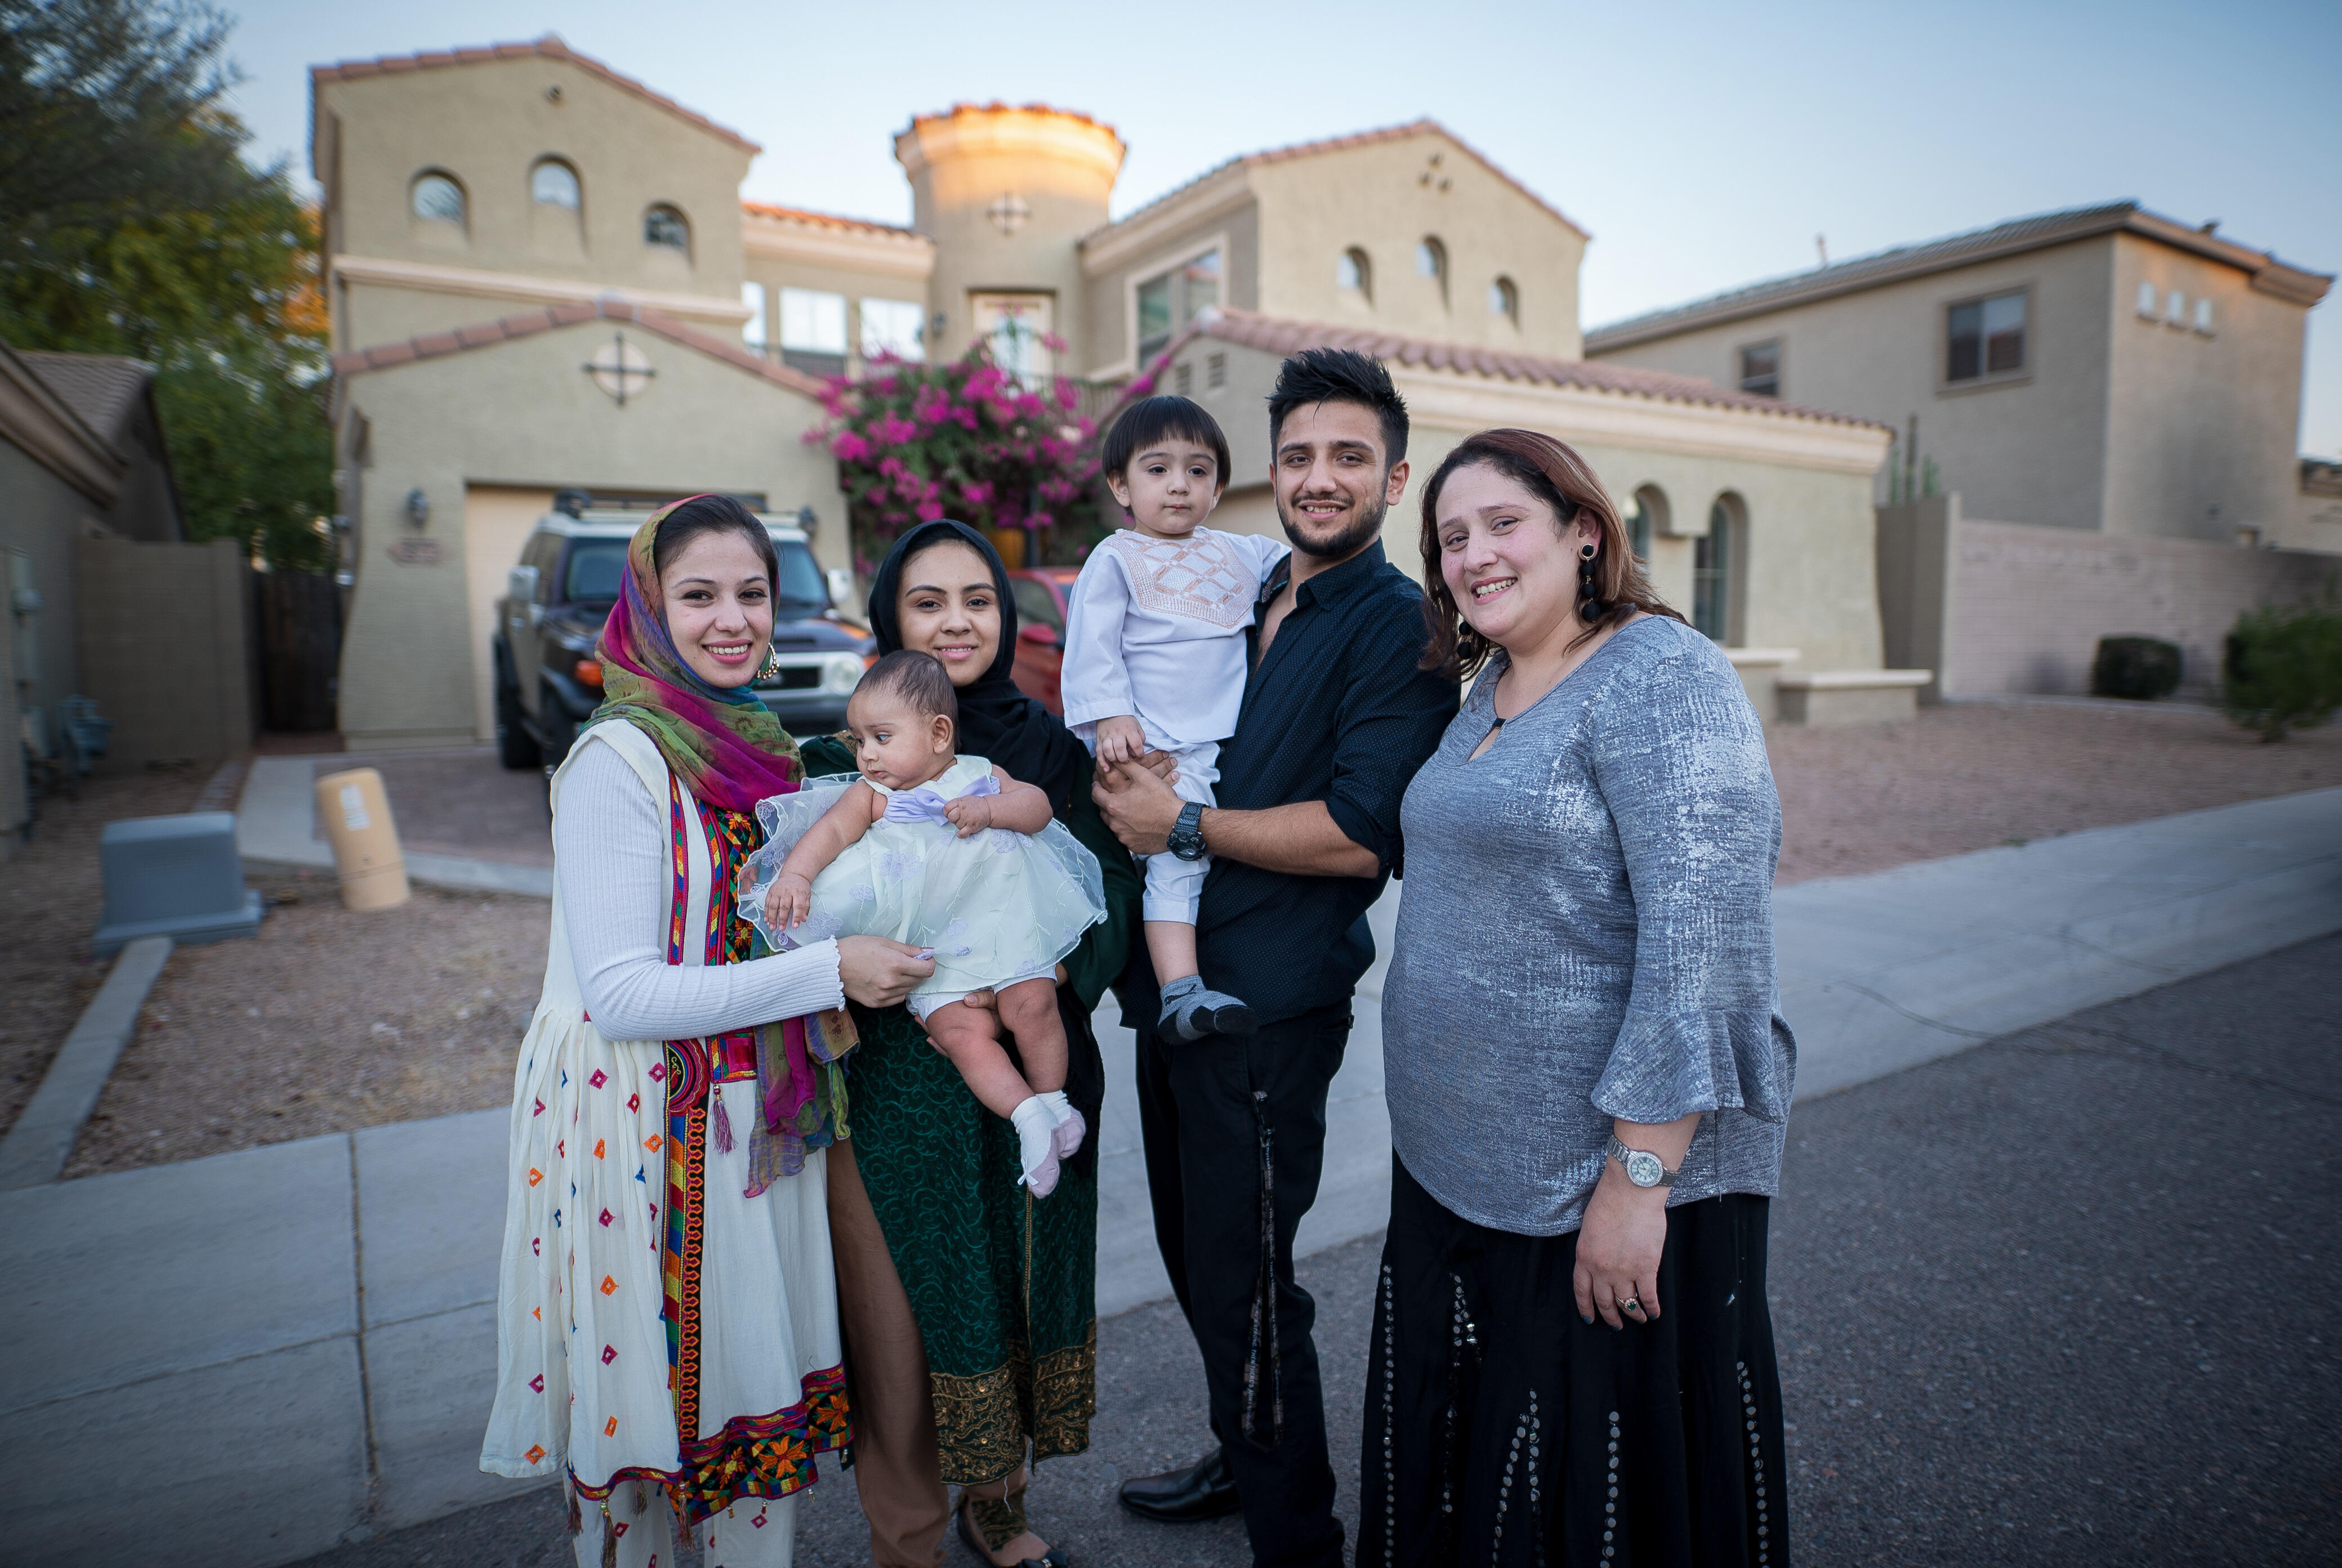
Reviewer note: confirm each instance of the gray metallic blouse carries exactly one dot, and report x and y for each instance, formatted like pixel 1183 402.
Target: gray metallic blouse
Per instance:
pixel 1586 932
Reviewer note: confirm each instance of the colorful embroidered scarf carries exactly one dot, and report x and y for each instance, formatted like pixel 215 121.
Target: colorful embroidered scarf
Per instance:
pixel 723 743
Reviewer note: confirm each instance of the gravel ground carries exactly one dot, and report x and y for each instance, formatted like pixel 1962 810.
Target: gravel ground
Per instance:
pixel 1974 775
pixel 331 1020
pixel 2065 1299
pixel 325 1022
pixel 50 901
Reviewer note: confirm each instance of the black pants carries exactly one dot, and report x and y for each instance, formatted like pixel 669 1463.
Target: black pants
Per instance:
pixel 1217 1114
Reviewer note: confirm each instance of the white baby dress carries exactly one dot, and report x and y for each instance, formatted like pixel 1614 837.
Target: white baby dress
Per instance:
pixel 996 906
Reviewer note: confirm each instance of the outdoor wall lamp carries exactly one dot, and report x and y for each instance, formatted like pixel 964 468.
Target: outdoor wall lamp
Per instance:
pixel 419 508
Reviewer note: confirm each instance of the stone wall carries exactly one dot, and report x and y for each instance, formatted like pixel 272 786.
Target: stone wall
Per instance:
pixel 2005 607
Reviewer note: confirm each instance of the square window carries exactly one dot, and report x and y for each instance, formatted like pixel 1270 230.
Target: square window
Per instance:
pixel 813 321
pixel 1169 301
pixel 893 327
pixel 1984 338
pixel 1761 368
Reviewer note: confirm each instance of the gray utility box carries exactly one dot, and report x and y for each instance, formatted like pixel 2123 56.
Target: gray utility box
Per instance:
pixel 175 876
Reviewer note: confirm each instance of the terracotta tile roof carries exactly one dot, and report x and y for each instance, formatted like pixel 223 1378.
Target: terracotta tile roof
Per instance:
pixel 529 322
pixel 997 108
pixel 1426 126
pixel 549 47
pixel 1272 334
pixel 2011 238
pixel 828 221
pixel 99 388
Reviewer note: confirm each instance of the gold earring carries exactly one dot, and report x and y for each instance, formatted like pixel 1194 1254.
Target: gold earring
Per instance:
pixel 772 665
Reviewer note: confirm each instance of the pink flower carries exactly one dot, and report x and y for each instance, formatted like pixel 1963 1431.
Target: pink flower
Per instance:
pixel 931 511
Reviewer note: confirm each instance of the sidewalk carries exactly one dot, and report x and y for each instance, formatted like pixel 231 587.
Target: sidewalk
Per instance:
pixel 302 1334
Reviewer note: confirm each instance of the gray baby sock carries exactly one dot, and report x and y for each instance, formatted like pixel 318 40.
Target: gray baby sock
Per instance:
pixel 1190 1012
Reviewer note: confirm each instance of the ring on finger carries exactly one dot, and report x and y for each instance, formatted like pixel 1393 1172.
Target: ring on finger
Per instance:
pixel 1631 1304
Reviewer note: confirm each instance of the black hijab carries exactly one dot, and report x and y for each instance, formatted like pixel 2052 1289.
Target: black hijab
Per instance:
pixel 997 720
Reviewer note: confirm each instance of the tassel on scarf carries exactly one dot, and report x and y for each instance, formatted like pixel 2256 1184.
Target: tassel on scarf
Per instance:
pixel 722 1123
pixel 576 1521
pixel 609 1539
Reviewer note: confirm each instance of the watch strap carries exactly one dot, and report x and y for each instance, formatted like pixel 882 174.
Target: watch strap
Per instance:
pixel 1620 1152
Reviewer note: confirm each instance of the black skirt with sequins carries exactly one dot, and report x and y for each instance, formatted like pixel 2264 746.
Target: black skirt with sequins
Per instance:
pixel 1500 1429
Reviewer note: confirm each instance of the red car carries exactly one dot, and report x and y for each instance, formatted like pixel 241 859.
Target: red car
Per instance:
pixel 1040 593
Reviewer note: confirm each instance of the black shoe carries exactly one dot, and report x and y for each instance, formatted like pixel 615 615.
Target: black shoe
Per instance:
pixel 1204 1490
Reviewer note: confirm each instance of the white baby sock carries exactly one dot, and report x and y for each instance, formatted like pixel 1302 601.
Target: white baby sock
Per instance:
pixel 1071 1128
pixel 1036 1144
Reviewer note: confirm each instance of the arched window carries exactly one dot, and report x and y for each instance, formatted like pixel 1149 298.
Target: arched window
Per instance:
pixel 664 225
pixel 1647 514
pixel 553 184
pixel 1353 274
pixel 436 197
pixel 1505 300
pixel 1431 261
pixel 1717 571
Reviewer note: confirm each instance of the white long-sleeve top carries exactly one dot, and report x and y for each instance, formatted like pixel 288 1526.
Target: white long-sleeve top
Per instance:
pixel 617 874
pixel 1155 630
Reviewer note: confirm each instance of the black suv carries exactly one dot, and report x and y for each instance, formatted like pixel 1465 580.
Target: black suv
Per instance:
pixel 548 680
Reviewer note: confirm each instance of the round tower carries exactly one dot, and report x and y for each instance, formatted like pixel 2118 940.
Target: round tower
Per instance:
pixel 1006 194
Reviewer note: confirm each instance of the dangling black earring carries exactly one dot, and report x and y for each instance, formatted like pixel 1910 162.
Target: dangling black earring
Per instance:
pixel 1589 593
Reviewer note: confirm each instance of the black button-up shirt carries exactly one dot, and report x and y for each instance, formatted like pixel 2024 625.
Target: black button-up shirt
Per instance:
pixel 1337 712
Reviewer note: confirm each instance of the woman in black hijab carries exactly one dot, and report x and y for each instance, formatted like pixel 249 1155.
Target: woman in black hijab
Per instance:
pixel 969 1308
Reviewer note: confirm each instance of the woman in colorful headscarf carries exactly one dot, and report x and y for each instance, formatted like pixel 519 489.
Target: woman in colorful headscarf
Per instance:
pixel 970 1311
pixel 667 1311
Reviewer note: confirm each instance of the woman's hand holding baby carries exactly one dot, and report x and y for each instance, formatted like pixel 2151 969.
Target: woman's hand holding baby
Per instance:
pixel 1121 739
pixel 970 814
pixel 789 901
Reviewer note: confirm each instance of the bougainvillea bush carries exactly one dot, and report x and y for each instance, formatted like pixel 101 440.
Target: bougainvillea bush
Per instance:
pixel 962 439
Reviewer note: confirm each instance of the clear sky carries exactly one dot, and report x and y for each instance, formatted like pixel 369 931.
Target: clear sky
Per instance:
pixel 1703 145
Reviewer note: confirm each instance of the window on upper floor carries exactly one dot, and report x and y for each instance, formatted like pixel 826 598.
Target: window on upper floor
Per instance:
pixel 1505 300
pixel 2150 301
pixel 1355 275
pixel 893 329
pixel 1215 372
pixel 553 184
pixel 2176 309
pixel 2204 316
pixel 436 197
pixel 665 226
pixel 1169 300
pixel 1761 368
pixel 813 331
pixel 1984 338
pixel 1431 261
pixel 752 331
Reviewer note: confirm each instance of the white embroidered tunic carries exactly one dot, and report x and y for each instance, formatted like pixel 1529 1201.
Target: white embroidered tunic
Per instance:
pixel 1154 629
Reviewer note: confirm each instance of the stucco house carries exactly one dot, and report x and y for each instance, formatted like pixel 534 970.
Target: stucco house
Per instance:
pixel 541 276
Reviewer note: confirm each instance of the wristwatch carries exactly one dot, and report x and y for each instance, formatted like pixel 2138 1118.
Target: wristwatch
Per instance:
pixel 1642 1168
pixel 1187 832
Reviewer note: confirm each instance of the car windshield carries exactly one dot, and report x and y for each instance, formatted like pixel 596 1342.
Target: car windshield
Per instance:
pixel 595 566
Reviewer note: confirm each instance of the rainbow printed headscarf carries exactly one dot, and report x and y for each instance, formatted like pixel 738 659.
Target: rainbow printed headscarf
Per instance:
pixel 723 743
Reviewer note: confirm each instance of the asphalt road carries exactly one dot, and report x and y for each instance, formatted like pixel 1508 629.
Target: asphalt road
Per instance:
pixel 2068 1298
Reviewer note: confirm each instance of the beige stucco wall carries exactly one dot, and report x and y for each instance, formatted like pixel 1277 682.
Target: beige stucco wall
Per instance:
pixel 1807 569
pixel 2032 448
pixel 1112 291
pixel 522 414
pixel 497 521
pixel 488 124
pixel 2201 430
pixel 1313 208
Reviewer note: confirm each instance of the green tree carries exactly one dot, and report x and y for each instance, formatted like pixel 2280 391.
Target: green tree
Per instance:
pixel 130 223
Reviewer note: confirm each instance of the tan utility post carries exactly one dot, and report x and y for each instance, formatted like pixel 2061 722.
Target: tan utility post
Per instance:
pixel 357 815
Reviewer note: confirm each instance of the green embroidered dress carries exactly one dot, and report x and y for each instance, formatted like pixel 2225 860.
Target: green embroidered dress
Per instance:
pixel 1003 1286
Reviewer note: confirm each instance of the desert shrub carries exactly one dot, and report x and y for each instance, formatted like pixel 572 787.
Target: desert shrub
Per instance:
pixel 2139 668
pixel 2283 669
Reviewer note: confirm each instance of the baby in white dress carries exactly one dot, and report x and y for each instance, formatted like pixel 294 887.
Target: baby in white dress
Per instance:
pixel 1156 659
pixel 951 854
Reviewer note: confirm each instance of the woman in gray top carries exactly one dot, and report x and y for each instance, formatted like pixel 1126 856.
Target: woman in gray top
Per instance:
pixel 1572 1361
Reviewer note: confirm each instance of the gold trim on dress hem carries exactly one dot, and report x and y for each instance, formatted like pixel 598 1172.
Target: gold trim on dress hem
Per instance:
pixel 984 1423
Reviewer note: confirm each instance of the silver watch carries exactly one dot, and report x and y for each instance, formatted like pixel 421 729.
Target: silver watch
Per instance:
pixel 1642 1168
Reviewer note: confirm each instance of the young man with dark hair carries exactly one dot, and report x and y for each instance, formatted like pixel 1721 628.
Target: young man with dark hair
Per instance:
pixel 1336 719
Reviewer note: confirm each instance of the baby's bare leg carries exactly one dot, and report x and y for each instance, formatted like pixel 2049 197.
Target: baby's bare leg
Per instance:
pixel 1029 1009
pixel 968 1035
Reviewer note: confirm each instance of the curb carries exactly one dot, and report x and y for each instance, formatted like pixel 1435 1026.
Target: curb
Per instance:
pixel 38 1146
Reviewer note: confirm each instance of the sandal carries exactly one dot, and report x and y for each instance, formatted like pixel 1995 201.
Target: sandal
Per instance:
pixel 1053 1558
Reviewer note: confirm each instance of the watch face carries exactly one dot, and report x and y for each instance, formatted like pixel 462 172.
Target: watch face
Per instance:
pixel 1642 1168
